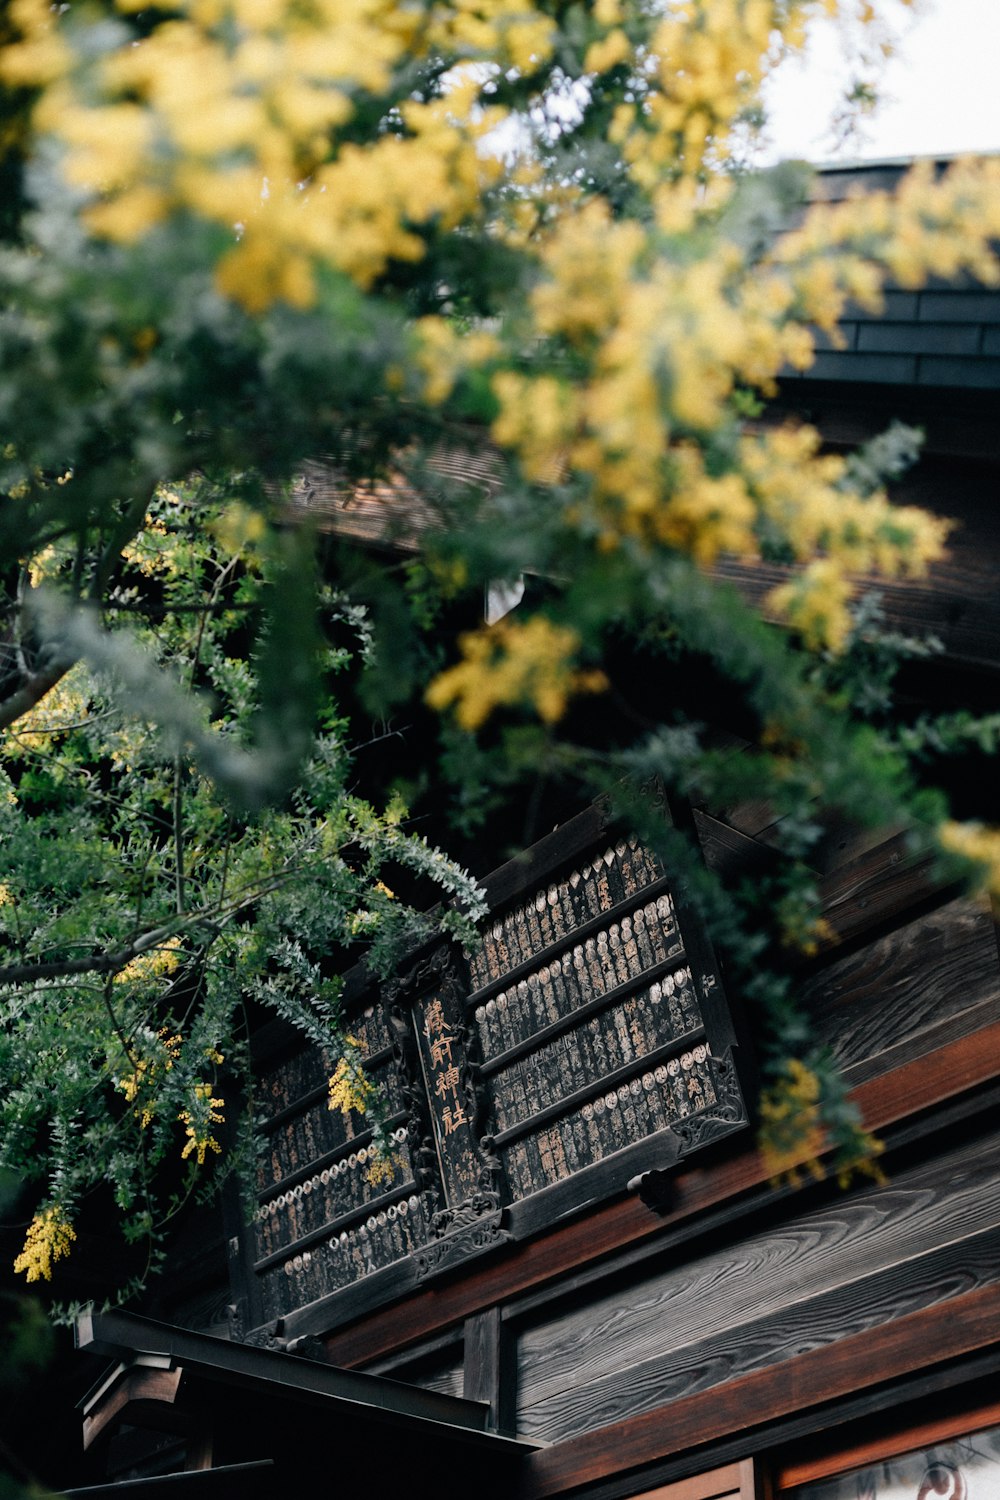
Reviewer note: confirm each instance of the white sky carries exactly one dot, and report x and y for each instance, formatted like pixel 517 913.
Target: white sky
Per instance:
pixel 940 91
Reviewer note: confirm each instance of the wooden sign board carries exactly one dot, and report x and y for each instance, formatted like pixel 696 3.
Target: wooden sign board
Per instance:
pixel 585 1040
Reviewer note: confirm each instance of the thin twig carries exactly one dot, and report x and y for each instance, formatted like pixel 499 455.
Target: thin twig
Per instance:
pixel 178 837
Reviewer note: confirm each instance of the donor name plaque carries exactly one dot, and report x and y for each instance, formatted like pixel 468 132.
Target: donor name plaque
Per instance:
pixel 584 1041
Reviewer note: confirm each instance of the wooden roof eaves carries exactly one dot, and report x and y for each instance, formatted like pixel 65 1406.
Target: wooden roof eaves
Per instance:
pixel 449 1419
pixel 228 1482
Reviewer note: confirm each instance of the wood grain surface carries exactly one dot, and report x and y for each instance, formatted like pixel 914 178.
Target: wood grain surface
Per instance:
pixel 918 1340
pixel 957 602
pixel 873 1005
pixel 731 1482
pixel 863 1259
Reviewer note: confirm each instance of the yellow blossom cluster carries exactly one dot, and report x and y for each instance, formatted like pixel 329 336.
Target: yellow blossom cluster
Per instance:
pixel 816 602
pixel 198 1123
pixel 50 1238
pixel 706 515
pixel 537 419
pixel 665 343
pixel 668 342
pixel 791 1137
pixel 441 353
pixel 139 1085
pixel 513 32
pixel 154 964
pixel 60 710
pixel 710 58
pixel 589 260
pixel 702 66
pixel 366 921
pixel 608 52
pixel 514 662
pixel 256 115
pixel 933 225
pixel 830 528
pixel 152 549
pixel 239 530
pixel 349 1086
pixel 381 1169
pixel 232 109
pixel 42 55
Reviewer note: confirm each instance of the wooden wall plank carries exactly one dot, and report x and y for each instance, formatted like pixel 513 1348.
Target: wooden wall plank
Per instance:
pixel 920 1340
pixel 873 1006
pixel 730 1482
pixel 957 602
pixel 686 1326
pixel 875 888
pixel 484 1362
pixel 810 1323
pixel 836 1459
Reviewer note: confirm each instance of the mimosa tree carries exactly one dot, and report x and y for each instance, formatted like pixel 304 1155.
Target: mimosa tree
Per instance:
pixel 241 233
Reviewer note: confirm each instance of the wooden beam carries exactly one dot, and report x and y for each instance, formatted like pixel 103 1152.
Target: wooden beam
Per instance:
pixel 917 1341
pixel 143 1396
pixel 489 1366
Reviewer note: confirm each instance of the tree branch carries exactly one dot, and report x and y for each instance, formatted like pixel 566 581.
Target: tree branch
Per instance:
pixel 107 963
pixel 178 835
pixel 31 692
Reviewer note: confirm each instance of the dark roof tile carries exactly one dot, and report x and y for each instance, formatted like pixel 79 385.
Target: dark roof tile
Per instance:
pixel 960 307
pixel 919 338
pixel 900 306
pixel 983 374
pixel 883 369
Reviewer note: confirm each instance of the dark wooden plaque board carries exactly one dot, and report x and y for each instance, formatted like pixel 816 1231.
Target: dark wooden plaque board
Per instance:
pixel 586 1040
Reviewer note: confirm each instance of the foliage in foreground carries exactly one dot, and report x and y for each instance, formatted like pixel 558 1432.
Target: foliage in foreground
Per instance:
pixel 238 234
pixel 143 913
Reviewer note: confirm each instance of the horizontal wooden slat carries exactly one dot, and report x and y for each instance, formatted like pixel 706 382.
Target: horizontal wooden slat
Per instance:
pixel 731 1482
pixel 877 886
pixel 918 1340
pixel 880 999
pixel 957 602
pixel 736 1308
pixel 815 1322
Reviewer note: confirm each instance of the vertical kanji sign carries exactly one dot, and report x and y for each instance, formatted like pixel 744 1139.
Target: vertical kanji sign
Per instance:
pixel 441 1044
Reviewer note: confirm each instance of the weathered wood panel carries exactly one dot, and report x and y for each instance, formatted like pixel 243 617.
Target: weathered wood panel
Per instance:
pixel 830 1456
pixel 822 1276
pixel 880 885
pixel 922 1340
pixel 438 1366
pixel 925 1281
pixel 444 1375
pixel 928 982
